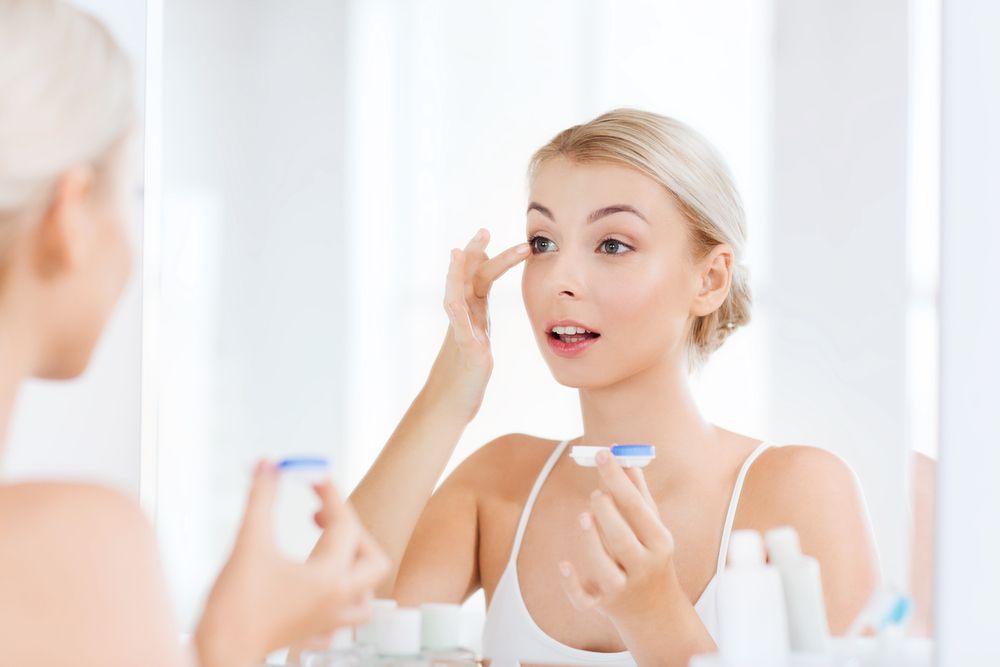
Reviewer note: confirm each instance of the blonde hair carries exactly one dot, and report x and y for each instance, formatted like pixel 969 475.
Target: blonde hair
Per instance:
pixel 66 99
pixel 682 161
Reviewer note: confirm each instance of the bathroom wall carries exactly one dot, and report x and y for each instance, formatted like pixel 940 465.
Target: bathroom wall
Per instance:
pixel 839 287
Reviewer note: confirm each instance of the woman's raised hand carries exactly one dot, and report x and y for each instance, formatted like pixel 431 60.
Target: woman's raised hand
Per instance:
pixel 465 362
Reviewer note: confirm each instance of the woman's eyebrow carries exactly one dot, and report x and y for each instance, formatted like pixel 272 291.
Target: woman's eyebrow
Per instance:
pixel 596 215
pixel 616 208
pixel 534 206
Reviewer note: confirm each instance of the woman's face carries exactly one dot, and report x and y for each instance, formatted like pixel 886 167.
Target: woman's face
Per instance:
pixel 610 255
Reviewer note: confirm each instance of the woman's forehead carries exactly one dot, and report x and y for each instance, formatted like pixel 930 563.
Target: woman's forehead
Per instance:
pixel 565 188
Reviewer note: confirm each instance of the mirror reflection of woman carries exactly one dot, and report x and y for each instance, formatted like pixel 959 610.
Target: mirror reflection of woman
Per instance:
pixel 633 276
pixel 80 578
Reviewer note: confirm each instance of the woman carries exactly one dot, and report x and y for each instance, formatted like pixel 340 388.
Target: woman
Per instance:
pixel 632 278
pixel 80 577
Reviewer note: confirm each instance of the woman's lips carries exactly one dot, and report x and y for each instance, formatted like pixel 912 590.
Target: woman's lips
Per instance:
pixel 574 349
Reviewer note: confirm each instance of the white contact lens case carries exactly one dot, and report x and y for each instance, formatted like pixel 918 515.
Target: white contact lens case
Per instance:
pixel 628 456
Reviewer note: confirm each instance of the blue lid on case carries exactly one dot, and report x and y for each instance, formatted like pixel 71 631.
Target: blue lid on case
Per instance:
pixel 633 450
pixel 296 462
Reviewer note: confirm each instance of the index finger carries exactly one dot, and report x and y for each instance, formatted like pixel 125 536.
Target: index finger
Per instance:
pixel 371 565
pixel 475 250
pixel 629 499
pixel 330 500
pixel 492 269
pixel 257 516
pixel 639 479
pixel 342 530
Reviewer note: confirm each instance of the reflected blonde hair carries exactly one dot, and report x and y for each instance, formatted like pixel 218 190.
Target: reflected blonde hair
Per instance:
pixel 682 161
pixel 66 99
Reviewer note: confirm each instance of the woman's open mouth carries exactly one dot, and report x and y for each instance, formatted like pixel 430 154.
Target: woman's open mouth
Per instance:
pixel 570 340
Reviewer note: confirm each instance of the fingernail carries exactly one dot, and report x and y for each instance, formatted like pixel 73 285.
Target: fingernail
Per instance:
pixel 585 521
pixel 523 249
pixel 603 456
pixel 480 234
pixel 564 569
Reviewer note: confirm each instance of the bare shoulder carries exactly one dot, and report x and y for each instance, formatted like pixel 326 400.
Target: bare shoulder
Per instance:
pixel 501 466
pixel 84 557
pixel 59 499
pixel 800 472
pixel 45 514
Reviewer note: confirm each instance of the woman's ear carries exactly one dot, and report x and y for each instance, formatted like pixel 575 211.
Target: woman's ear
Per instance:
pixel 64 234
pixel 715 275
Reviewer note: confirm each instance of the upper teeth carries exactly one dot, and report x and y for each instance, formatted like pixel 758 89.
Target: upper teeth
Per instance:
pixel 568 331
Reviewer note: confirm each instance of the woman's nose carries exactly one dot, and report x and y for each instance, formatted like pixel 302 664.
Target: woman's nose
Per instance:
pixel 566 278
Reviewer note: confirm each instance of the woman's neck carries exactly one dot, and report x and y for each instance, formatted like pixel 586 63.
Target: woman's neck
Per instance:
pixel 652 407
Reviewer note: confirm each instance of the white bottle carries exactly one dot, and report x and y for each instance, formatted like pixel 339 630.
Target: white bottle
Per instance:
pixel 367 635
pixel 341 653
pixel 808 629
pixel 753 630
pixel 399 639
pixel 441 636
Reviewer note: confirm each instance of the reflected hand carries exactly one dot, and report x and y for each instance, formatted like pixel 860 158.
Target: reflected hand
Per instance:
pixel 465 362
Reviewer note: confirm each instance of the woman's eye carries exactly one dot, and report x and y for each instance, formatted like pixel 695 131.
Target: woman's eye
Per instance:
pixel 614 247
pixel 540 244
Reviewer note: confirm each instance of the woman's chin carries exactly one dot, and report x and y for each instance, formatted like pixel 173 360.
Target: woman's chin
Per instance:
pixel 582 378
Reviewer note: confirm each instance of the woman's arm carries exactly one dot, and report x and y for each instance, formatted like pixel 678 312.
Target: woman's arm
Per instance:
pixel 441 562
pixel 443 558
pixel 391 498
pixel 819 495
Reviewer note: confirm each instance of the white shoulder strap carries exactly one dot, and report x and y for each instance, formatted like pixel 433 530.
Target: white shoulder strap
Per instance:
pixel 526 512
pixel 733 503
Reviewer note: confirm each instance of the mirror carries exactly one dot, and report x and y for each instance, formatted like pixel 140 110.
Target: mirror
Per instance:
pixel 321 158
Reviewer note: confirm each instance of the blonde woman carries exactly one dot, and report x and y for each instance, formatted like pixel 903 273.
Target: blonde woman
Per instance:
pixel 633 276
pixel 80 579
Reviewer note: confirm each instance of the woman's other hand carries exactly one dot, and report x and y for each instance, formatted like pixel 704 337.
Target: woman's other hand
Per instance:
pixel 626 569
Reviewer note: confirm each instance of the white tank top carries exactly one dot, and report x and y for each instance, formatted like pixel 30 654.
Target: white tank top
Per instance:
pixel 511 635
